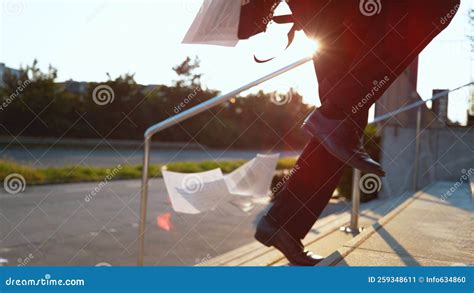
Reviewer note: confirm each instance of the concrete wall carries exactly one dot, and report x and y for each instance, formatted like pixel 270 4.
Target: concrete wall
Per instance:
pixel 445 153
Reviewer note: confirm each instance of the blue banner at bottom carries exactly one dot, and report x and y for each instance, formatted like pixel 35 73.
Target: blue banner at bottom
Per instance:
pixel 233 279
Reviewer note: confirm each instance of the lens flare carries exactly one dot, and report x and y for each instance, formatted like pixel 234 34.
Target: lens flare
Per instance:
pixel 308 46
pixel 313 46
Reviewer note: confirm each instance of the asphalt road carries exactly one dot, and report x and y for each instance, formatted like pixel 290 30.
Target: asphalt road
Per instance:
pixel 106 157
pixel 55 225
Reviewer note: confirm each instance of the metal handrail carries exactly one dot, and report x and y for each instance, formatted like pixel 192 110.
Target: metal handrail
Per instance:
pixel 219 99
pixel 356 175
pixel 181 117
pixel 417 104
pixel 189 114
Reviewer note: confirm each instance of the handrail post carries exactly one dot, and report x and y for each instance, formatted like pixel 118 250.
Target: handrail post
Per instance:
pixel 143 201
pixel 355 200
pixel 417 149
pixel 353 227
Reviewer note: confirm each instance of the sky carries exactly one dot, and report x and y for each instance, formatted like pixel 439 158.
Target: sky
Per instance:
pixel 85 39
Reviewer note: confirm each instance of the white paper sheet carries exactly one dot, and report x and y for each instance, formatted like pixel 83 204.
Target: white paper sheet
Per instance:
pixel 217 23
pixel 199 192
pixel 196 192
pixel 254 177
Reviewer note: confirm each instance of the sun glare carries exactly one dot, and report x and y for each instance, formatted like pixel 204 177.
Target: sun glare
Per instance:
pixel 311 46
pixel 306 46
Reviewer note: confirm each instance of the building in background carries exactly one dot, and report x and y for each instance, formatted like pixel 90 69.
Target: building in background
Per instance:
pixel 445 148
pixel 4 69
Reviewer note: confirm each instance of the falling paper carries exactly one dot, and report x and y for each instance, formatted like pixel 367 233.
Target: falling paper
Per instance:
pixel 254 177
pixel 3 262
pixel 243 205
pixel 198 192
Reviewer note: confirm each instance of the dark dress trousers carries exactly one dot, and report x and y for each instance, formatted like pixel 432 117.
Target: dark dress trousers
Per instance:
pixel 359 47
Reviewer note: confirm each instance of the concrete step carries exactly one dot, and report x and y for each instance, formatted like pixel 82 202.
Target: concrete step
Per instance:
pixel 324 238
pixel 435 227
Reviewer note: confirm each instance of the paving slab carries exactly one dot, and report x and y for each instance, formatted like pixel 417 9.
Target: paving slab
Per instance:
pixel 54 225
pixel 324 238
pixel 434 228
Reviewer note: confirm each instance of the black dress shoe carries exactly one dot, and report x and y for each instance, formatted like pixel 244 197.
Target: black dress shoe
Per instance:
pixel 342 140
pixel 270 234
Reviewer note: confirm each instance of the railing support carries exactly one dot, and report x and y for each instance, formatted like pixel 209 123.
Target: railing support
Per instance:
pixel 353 227
pixel 355 200
pixel 143 201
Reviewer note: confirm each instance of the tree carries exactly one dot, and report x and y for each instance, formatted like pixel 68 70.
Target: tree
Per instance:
pixel 124 109
pixel 36 103
pixel 185 71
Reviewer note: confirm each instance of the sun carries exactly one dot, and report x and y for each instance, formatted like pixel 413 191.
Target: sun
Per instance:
pixel 312 46
pixel 306 46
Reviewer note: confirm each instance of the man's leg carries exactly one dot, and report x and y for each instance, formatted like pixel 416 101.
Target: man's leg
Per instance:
pixel 357 49
pixel 317 172
pixel 300 203
pixel 308 191
pixel 380 47
pixel 381 53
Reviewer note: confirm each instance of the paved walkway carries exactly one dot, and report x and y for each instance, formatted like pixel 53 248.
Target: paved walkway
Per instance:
pixel 55 225
pixel 428 228
pixel 434 228
pixel 324 238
